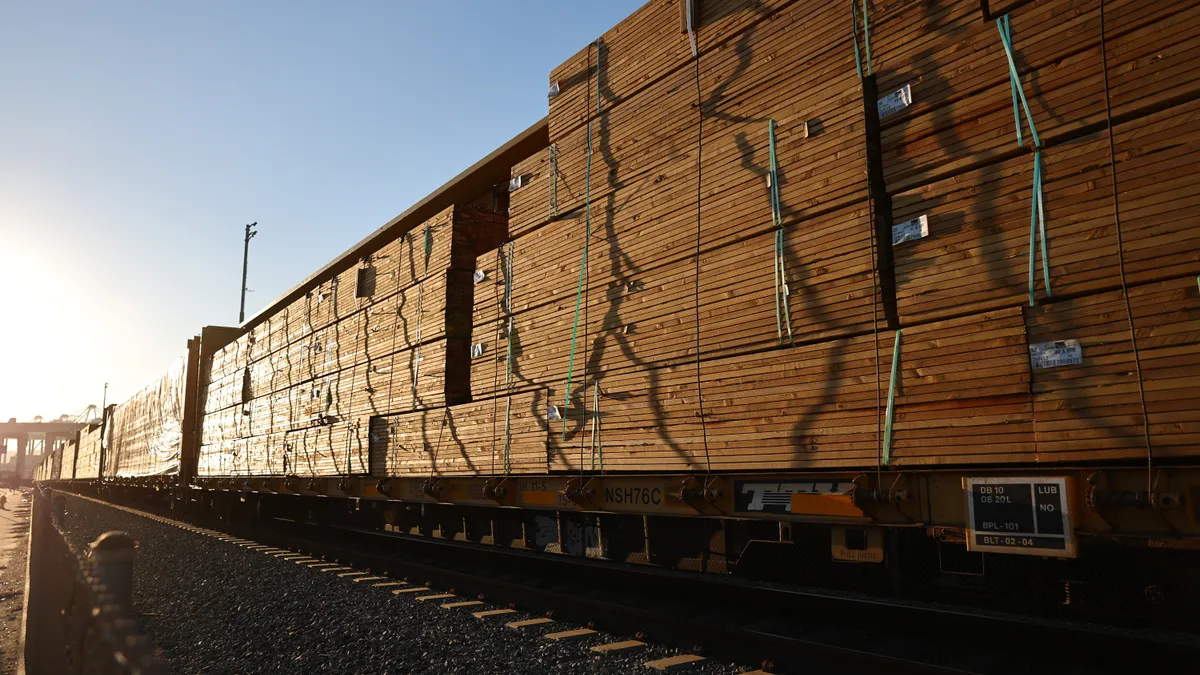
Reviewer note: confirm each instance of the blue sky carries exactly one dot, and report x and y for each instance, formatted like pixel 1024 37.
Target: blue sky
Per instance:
pixel 137 139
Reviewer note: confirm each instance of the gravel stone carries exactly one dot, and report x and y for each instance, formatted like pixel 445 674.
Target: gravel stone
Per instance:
pixel 216 607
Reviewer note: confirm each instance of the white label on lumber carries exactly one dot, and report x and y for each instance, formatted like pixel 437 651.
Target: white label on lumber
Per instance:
pixel 553 415
pixel 1055 354
pixel 476 351
pixel 895 101
pixel 479 276
pixel 554 89
pixel 910 230
pixel 519 182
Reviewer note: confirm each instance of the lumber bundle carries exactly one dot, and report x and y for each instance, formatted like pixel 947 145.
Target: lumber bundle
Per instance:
pixel 296 394
pixel 147 430
pixel 701 257
pixel 1158 173
pixel 1167 319
pixel 69 456
pixel 468 439
pixel 87 465
pixel 976 254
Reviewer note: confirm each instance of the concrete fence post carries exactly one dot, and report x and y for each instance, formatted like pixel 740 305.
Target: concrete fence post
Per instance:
pixel 112 555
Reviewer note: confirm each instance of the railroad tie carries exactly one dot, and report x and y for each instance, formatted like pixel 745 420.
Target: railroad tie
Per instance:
pixel 674 662
pixel 528 622
pixel 624 645
pixel 492 612
pixel 570 634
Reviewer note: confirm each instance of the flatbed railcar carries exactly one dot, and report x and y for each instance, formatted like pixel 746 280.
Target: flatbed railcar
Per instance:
pixel 755 300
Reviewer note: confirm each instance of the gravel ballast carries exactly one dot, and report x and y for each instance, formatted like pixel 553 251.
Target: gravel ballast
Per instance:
pixel 212 606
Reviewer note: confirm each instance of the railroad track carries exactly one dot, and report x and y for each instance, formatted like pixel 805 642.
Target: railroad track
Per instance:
pixel 778 629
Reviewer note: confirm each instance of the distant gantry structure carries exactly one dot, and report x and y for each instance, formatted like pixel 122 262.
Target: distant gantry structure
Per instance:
pixel 35 438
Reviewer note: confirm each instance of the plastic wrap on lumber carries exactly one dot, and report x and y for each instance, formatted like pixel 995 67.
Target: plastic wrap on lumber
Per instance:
pixel 1158 164
pixel 466 439
pixel 147 429
pixel 975 256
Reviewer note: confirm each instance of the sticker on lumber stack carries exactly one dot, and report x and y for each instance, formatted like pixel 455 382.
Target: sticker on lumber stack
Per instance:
pixel 479 276
pixel 1027 516
pixel 910 230
pixel 895 101
pixel 519 182
pixel 476 351
pixel 553 414
pixel 1055 354
pixel 554 89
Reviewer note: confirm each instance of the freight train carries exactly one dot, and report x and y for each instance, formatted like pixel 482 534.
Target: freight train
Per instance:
pixel 899 297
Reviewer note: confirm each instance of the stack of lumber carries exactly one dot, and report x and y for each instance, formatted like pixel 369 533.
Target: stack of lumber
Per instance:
pixel 87 464
pixel 677 363
pixel 295 394
pixel 147 429
pixel 69 456
pixel 633 319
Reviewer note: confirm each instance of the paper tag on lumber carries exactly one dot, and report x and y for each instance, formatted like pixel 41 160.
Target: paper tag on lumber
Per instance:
pixel 519 182
pixel 910 230
pixel 895 101
pixel 1055 354
pixel 554 89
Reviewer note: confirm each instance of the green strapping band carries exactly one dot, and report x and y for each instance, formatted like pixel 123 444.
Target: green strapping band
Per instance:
pixel 866 36
pixel 891 403
pixel 1002 24
pixel 587 201
pixel 1037 214
pixel 854 21
pixel 783 313
pixel 507 258
pixel 1037 226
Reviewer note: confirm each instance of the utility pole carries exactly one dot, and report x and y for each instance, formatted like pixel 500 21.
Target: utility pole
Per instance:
pixel 250 232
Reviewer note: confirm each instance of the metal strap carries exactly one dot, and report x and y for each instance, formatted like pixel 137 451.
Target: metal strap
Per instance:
pixel 416 365
pixel 597 444
pixel 891 403
pixel 783 313
pixel 688 10
pixel 508 358
pixel 552 179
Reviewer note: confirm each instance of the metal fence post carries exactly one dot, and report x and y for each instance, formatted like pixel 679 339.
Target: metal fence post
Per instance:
pixel 112 554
